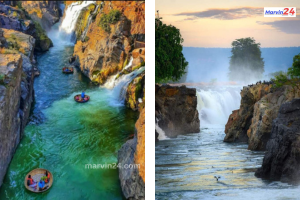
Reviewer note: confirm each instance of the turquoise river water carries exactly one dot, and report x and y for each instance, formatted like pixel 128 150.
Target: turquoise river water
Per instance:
pixel 62 135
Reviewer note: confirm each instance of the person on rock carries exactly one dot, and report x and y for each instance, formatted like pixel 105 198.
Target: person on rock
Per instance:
pixel 31 183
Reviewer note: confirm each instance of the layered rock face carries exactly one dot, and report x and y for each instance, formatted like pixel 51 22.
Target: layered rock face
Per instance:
pixel 101 53
pixel 23 17
pixel 176 110
pixel 240 120
pixel 265 111
pixel 16 91
pixel 133 153
pixel 46 13
pixel 135 93
pixel 259 107
pixel 282 159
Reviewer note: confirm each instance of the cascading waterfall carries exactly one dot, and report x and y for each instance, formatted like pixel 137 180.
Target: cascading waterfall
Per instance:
pixel 216 104
pixel 161 133
pixel 90 21
pixel 72 14
pixel 112 81
pixel 122 83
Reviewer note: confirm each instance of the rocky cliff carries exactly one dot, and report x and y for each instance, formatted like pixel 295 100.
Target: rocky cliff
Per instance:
pixel 107 35
pixel 282 159
pixel 16 91
pixel 240 120
pixel 133 153
pixel 30 17
pixel 176 110
pixel 259 107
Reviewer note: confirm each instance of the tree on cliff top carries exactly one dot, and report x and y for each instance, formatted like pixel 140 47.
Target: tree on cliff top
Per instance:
pixel 294 71
pixel 246 63
pixel 170 63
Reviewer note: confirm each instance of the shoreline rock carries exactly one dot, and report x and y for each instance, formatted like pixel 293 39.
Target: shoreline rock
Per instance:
pixel 133 153
pixel 176 110
pixel 282 159
pixel 16 92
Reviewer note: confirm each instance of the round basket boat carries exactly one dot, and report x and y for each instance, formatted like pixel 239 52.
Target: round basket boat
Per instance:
pixel 78 98
pixel 36 175
pixel 69 71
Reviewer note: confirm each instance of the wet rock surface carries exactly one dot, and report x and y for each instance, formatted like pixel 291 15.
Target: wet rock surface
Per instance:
pixel 282 159
pixel 176 110
pixel 16 91
pixel 133 152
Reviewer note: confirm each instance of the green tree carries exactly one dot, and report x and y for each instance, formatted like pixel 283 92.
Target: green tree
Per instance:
pixel 246 63
pixel 170 63
pixel 294 71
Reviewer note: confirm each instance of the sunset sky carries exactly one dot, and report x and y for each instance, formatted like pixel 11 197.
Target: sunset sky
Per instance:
pixel 216 23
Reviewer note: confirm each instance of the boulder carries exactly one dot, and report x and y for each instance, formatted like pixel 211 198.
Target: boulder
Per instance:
pixel 176 110
pixel 282 159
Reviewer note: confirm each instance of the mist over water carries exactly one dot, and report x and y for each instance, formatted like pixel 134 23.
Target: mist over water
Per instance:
pixel 185 166
pixel 206 64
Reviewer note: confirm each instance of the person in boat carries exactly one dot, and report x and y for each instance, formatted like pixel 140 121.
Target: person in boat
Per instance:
pixel 30 182
pixel 42 185
pixel 82 95
pixel 47 180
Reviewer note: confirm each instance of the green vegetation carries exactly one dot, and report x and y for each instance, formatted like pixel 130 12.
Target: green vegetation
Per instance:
pixel 246 63
pixel 107 19
pixel 294 71
pixel 292 77
pixel 2 78
pixel 170 63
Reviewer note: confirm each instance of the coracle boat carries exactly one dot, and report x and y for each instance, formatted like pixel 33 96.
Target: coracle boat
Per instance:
pixel 78 98
pixel 68 70
pixel 36 175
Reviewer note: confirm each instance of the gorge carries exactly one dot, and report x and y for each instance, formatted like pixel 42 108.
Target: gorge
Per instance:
pixel 64 136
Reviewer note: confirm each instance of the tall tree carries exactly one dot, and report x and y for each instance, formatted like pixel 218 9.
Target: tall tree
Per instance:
pixel 246 63
pixel 294 71
pixel 170 63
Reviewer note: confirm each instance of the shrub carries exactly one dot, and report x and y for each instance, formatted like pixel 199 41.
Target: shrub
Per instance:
pixel 107 19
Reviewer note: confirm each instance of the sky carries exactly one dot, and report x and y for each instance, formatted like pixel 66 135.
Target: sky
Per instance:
pixel 216 23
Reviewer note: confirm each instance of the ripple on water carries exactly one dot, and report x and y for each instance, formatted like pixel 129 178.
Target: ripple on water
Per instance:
pixel 185 168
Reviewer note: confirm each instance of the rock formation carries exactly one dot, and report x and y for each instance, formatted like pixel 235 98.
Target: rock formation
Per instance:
pixel 259 107
pixel 101 53
pixel 136 92
pixel 240 120
pixel 23 17
pixel 176 110
pixel 133 153
pixel 16 91
pixel 282 159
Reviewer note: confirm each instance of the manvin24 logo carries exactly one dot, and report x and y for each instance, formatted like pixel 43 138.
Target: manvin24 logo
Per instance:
pixel 280 12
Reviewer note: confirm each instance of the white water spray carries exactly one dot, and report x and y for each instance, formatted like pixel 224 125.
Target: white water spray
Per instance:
pixel 72 13
pixel 112 81
pixel 161 133
pixel 215 106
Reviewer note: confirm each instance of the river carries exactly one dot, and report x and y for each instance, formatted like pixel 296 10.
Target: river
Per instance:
pixel 63 136
pixel 185 166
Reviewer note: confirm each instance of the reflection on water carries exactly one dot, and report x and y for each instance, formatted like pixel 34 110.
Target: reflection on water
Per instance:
pixel 185 168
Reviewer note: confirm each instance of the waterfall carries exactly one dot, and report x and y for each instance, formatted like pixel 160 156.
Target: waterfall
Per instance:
pixel 72 13
pixel 112 81
pixel 89 22
pixel 161 133
pixel 122 83
pixel 216 104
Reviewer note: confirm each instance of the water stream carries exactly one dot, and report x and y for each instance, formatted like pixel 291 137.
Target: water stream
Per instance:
pixel 63 136
pixel 185 166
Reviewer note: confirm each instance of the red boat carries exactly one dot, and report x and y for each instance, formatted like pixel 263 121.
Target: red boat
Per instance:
pixel 78 98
